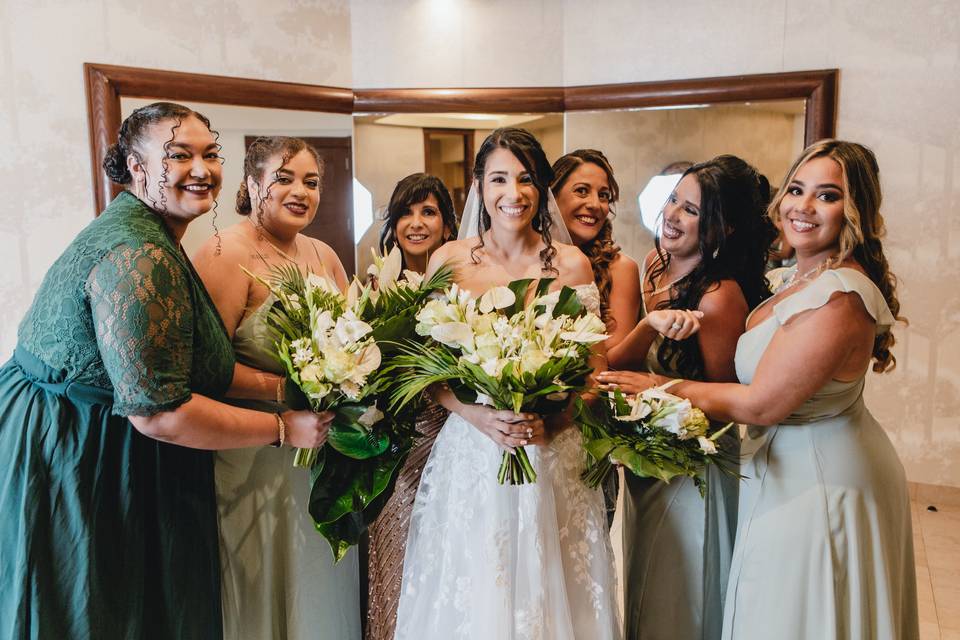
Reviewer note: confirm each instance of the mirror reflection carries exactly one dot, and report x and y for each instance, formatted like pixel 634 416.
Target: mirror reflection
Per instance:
pixel 329 133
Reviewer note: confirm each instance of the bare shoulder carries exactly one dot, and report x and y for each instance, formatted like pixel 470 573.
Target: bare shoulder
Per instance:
pixel 624 267
pixel 232 248
pixel 723 298
pixel 573 265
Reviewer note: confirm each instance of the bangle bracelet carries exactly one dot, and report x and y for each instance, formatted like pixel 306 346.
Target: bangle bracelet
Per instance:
pixel 280 389
pixel 281 431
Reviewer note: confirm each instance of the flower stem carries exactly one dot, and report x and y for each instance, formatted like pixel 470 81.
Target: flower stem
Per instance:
pixel 516 468
pixel 305 458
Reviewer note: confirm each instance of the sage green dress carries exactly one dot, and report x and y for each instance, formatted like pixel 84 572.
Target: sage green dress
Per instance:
pixel 108 534
pixel 279 580
pixel 824 545
pixel 677 546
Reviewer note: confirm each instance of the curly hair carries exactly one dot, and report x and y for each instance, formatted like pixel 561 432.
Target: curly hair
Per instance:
pixel 412 190
pixel 601 250
pixel 863 225
pixel 734 237
pixel 527 149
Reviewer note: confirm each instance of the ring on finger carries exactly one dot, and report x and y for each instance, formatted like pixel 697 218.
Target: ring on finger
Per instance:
pixel 676 326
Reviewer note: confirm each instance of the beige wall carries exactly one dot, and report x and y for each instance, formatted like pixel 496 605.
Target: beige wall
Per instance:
pixel 899 93
pixel 45 166
pixel 639 144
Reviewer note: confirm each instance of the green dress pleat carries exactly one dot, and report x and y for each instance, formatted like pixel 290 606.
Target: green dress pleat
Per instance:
pixel 279 579
pixel 105 533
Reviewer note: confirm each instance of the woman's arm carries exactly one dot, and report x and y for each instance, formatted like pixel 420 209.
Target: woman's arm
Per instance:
pixel 809 351
pixel 624 303
pixel 724 316
pixel 230 290
pixel 203 423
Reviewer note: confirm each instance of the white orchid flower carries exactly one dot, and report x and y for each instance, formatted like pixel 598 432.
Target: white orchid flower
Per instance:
pixel 412 278
pixel 707 445
pixel 350 329
pixel 317 281
pixel 390 269
pixel 587 329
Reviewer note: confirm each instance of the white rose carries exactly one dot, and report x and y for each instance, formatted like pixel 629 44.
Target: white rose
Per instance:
pixel 311 373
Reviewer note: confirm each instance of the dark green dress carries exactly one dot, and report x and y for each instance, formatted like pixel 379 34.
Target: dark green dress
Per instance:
pixel 105 533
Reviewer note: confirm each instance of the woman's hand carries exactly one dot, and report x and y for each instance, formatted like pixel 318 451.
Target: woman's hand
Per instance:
pixel 506 428
pixel 306 429
pixel 629 382
pixel 676 324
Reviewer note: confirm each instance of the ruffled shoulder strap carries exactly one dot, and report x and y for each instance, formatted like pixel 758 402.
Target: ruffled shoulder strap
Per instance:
pixel 818 293
pixel 589 296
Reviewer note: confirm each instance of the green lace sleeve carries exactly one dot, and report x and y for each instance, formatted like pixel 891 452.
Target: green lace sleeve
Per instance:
pixel 142 316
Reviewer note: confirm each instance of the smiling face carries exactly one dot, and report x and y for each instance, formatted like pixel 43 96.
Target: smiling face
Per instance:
pixel 421 229
pixel 189 183
pixel 509 193
pixel 811 211
pixel 290 193
pixel 680 233
pixel 584 201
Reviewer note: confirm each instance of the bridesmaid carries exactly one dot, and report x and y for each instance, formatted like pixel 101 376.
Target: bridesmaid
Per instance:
pixel 586 191
pixel 279 581
pixel 420 218
pixel 710 257
pixel 824 544
pixel 109 514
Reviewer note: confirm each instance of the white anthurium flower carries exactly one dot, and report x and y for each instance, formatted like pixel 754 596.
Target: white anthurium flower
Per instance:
pixel 317 281
pixel 368 361
pixel 350 329
pixel 675 420
pixel 707 445
pixel 390 270
pixel 453 334
pixel 656 394
pixel 496 298
pixel 638 410
pixel 320 326
pixel 412 278
pixel 371 416
pixel 354 291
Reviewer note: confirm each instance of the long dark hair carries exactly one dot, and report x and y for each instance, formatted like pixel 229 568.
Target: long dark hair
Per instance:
pixel 734 236
pixel 522 144
pixel 412 190
pixel 863 226
pixel 130 140
pixel 601 250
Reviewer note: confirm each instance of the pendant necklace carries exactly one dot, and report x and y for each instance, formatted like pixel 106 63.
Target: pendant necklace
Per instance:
pixel 792 279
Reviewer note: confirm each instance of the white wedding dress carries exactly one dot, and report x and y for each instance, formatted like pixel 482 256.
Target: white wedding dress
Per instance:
pixel 487 561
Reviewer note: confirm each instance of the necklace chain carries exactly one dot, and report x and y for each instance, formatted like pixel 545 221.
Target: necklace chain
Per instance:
pixel 793 279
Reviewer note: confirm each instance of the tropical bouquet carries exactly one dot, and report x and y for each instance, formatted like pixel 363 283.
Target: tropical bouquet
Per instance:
pixel 335 349
pixel 654 434
pixel 498 350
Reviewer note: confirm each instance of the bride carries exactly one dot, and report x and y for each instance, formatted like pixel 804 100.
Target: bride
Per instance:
pixel 508 562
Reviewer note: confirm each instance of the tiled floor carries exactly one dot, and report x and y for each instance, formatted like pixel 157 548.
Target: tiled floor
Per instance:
pixel 936 540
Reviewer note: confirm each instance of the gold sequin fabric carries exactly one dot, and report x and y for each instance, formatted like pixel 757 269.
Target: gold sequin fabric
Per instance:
pixel 388 535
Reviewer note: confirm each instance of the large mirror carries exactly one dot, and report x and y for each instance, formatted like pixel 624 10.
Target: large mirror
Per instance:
pixel 370 139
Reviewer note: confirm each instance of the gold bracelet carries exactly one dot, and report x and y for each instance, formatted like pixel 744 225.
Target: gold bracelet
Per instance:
pixel 281 431
pixel 280 389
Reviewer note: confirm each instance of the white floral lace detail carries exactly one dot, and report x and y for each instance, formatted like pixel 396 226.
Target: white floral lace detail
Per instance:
pixel 516 563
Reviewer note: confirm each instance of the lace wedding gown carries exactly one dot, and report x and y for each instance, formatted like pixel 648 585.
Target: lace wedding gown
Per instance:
pixel 529 562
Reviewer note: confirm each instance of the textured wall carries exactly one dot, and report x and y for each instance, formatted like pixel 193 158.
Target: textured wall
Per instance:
pixel 639 144
pixel 45 167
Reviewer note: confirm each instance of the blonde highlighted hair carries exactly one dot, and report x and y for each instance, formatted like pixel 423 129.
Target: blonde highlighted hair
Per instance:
pixel 863 225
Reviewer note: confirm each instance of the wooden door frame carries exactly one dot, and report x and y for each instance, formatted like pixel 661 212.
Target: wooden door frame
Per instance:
pixel 467 149
pixel 107 84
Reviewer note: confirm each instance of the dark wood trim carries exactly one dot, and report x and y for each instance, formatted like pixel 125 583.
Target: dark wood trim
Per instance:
pixel 499 100
pixel 106 84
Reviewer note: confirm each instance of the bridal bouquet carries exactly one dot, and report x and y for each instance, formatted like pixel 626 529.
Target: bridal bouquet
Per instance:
pixel 335 348
pixel 654 434
pixel 499 351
